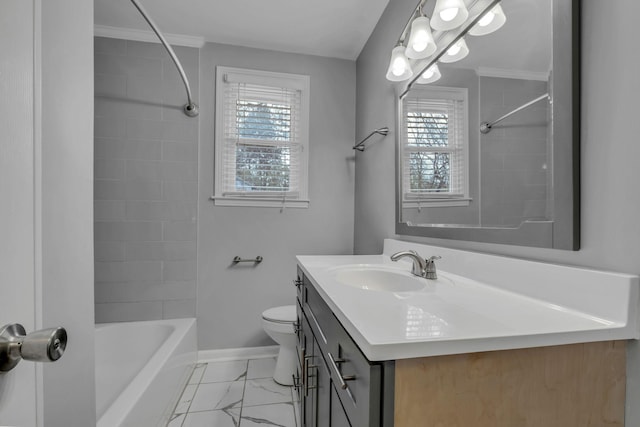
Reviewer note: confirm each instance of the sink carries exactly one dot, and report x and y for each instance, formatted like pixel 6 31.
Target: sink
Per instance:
pixel 375 278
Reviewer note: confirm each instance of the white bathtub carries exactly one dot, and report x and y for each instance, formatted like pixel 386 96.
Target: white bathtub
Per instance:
pixel 141 368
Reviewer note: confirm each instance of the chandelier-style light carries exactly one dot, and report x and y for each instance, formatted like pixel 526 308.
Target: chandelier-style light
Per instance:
pixel 430 75
pixel 421 43
pixel 399 66
pixel 456 52
pixel 490 22
pixel 449 14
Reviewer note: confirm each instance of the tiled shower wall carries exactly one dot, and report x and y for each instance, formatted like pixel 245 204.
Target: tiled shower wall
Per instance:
pixel 146 153
pixel 514 155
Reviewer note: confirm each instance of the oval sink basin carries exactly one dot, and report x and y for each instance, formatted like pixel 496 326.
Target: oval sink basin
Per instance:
pixel 379 279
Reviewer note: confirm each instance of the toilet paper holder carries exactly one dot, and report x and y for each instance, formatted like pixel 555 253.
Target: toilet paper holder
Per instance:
pixel 45 345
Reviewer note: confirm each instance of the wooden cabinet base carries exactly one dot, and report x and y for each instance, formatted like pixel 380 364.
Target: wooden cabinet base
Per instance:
pixel 579 385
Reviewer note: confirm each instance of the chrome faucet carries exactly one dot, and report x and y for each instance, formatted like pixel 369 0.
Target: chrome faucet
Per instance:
pixel 421 267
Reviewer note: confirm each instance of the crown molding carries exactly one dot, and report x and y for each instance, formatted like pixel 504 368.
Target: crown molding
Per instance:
pixel 146 36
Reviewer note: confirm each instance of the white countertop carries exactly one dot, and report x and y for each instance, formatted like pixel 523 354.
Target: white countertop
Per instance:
pixel 454 314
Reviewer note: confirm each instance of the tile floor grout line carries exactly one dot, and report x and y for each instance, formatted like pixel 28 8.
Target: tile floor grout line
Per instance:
pixel 194 394
pixel 205 366
pixel 244 388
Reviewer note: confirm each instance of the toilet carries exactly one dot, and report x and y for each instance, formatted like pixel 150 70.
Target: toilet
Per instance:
pixel 278 324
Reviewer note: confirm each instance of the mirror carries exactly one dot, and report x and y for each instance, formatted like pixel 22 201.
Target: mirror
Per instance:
pixel 516 181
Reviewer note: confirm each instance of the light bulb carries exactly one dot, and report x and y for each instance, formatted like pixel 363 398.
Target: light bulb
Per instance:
pixel 398 67
pixel 458 51
pixel 421 42
pixel 429 75
pixel 487 19
pixel 490 22
pixel 449 14
pixel 454 50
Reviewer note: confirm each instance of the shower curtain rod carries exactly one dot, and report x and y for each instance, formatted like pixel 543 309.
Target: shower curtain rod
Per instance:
pixel 486 126
pixel 191 108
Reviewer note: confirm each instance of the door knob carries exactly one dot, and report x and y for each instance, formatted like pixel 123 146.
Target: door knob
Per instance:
pixel 46 345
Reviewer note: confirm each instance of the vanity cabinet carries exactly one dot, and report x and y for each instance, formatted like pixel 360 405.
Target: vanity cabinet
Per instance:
pixel 573 385
pixel 337 386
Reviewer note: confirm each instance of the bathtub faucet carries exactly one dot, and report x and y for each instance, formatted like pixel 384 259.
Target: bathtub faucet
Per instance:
pixel 421 267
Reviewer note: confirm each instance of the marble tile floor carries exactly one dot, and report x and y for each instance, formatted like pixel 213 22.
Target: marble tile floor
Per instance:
pixel 237 393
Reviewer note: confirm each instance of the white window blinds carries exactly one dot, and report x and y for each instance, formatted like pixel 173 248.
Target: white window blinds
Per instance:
pixel 262 137
pixel 434 145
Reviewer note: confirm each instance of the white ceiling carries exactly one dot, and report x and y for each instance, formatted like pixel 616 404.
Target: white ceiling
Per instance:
pixel 333 28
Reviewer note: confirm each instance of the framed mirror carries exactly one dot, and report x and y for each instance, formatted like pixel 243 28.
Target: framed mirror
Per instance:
pixel 488 145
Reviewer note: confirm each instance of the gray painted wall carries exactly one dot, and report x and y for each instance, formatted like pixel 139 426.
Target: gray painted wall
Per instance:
pixel 231 299
pixel 610 203
pixel 146 171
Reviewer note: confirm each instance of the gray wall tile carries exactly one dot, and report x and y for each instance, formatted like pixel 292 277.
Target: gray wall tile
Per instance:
pixel 179 152
pixel 108 168
pixel 110 46
pixel 176 191
pixel 146 50
pixel 108 292
pixel 108 127
pixel 179 230
pixel 109 210
pixel 110 85
pixel 179 308
pixel 108 148
pixel 160 251
pixel 145 185
pixel 179 271
pixel 109 251
pixel 130 311
pixel 118 231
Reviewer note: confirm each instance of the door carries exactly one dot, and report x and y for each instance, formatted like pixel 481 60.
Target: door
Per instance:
pixel 46 167
pixel 18 388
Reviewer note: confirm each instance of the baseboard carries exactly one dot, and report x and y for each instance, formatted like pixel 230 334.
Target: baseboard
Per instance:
pixel 237 353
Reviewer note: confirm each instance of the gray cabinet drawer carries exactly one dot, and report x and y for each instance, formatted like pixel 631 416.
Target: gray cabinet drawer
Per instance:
pixel 323 322
pixel 360 387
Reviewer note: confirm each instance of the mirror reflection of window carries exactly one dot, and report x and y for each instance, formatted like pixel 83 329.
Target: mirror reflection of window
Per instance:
pixel 435 146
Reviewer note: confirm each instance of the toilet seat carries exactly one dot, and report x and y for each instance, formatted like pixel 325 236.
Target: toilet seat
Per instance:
pixel 282 314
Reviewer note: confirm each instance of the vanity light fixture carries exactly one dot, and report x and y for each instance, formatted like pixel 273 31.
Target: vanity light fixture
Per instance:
pixel 490 22
pixel 430 75
pixel 449 14
pixel 421 43
pixel 399 66
pixel 456 52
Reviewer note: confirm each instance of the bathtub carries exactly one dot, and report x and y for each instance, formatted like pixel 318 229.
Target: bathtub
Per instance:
pixel 141 368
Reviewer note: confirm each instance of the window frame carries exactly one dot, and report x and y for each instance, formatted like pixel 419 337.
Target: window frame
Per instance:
pixel 222 196
pixel 411 199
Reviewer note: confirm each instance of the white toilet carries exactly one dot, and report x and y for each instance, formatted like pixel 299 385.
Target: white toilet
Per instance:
pixel 278 324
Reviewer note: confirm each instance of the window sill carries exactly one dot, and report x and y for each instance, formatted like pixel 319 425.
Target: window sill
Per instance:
pixel 259 202
pixel 435 203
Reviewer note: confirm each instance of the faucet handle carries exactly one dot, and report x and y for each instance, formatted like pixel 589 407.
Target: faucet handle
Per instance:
pixel 430 268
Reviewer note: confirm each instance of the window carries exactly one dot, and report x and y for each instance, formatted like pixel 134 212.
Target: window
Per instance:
pixel 434 147
pixel 262 137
